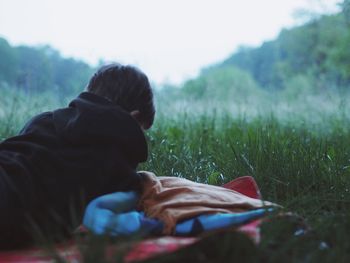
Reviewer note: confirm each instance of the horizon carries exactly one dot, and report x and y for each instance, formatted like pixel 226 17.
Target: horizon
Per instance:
pixel 169 48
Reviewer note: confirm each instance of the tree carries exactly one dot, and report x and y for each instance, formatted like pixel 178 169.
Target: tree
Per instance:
pixel 346 10
pixel 223 84
pixel 35 70
pixel 8 62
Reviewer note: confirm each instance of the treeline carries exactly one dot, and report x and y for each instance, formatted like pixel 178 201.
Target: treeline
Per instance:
pixel 310 59
pixel 39 69
pixel 318 49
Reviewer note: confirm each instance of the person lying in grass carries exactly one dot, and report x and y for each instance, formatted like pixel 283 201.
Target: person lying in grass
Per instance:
pixel 63 159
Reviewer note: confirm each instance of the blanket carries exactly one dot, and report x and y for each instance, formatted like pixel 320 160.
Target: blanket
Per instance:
pixel 144 249
pixel 173 199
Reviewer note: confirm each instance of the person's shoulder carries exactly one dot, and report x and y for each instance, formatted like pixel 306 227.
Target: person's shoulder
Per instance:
pixel 39 121
pixel 42 116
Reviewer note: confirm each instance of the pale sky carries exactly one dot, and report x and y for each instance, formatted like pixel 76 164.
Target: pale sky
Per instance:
pixel 170 40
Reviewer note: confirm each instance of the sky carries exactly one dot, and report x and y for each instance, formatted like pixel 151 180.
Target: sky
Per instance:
pixel 170 40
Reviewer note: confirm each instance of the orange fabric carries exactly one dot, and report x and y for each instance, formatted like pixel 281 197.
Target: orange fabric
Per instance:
pixel 172 199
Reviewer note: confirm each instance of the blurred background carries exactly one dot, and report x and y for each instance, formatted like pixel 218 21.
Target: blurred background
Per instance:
pixel 244 57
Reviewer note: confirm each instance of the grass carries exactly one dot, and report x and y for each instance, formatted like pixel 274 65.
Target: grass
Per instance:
pixel 304 167
pixel 302 164
pixel 16 108
pixel 290 163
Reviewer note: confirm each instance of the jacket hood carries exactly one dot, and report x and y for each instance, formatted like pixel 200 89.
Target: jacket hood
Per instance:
pixel 95 121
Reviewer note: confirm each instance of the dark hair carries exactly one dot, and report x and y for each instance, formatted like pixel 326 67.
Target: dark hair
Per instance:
pixel 126 86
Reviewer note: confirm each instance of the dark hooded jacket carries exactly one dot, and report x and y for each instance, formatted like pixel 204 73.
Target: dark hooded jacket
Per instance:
pixel 63 159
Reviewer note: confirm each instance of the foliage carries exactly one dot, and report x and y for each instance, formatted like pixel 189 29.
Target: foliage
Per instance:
pixel 318 49
pixel 297 87
pixel 308 60
pixel 345 5
pixel 41 69
pixel 228 83
pixel 16 108
pixel 8 62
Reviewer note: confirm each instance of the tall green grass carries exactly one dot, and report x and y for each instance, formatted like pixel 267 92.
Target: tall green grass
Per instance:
pixel 301 162
pixel 304 168
pixel 17 107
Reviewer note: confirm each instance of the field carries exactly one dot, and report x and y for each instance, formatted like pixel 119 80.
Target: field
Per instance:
pixel 300 159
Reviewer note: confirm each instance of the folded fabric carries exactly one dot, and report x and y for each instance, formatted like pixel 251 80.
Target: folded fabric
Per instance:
pixel 104 216
pixel 173 199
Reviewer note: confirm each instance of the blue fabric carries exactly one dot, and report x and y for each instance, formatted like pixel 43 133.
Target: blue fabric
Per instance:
pixel 115 214
pixel 105 213
pixel 216 221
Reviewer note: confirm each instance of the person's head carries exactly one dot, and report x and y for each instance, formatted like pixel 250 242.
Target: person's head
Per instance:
pixel 127 87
